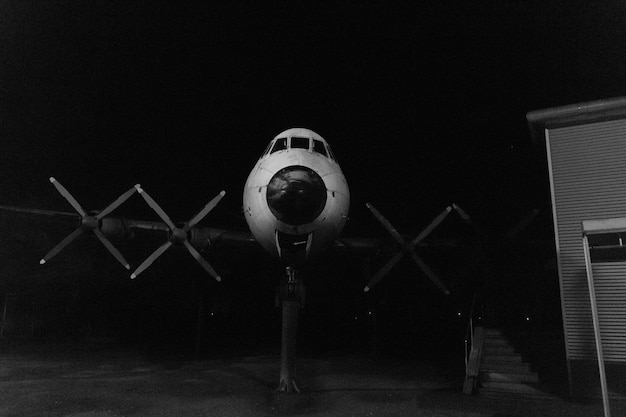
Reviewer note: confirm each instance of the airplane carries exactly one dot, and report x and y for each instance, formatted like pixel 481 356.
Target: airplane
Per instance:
pixel 295 201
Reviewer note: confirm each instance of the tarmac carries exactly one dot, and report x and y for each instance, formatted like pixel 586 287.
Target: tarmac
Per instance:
pixel 98 381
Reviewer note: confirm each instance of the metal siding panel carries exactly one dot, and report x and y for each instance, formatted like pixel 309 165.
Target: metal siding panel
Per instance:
pixel 588 179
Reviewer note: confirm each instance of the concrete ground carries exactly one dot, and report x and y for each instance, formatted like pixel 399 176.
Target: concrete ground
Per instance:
pixel 79 380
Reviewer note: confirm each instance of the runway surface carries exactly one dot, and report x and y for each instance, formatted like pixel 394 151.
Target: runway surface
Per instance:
pixel 89 381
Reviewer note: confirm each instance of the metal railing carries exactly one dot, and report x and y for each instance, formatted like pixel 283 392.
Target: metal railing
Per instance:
pixel 469 333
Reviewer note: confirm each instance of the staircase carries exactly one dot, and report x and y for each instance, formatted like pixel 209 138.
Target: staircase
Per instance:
pixel 502 370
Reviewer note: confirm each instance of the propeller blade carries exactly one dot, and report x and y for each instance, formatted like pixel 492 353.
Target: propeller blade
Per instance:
pixel 466 218
pixel 462 213
pixel 70 199
pixel 117 202
pixel 179 235
pixel 155 207
pixel 409 248
pixel 383 271
pixel 207 266
pixel 68 239
pixel 436 222
pixel 151 259
pixel 386 224
pixel 430 274
pixel 198 217
pixel 107 244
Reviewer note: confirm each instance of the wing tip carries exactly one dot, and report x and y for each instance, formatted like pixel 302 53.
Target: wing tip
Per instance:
pixel 41 262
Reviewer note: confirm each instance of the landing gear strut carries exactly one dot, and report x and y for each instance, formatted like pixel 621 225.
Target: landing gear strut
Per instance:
pixel 292 298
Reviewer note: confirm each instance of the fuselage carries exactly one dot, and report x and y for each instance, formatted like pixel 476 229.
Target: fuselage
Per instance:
pixel 296 198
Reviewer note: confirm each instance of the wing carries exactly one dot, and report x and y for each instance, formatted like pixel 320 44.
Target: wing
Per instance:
pixel 106 228
pixel 50 214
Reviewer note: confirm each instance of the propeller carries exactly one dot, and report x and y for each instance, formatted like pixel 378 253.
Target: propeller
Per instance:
pixel 88 223
pixel 407 248
pixel 178 235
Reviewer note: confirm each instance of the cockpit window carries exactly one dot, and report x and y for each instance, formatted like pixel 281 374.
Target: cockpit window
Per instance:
pixel 330 153
pixel 318 146
pixel 279 145
pixel 267 150
pixel 299 143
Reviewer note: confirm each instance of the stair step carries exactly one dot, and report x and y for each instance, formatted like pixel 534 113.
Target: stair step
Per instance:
pixel 496 334
pixel 492 341
pixel 506 367
pixel 500 389
pixel 508 387
pixel 493 376
pixel 499 349
pixel 502 358
pixel 499 333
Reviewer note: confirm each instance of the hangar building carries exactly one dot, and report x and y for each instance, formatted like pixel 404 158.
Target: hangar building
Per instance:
pixel 586 152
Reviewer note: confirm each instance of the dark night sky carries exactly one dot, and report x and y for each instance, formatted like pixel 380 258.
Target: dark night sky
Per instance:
pixel 424 104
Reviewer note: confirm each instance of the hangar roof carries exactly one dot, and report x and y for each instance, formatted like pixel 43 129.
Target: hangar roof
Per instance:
pixel 574 114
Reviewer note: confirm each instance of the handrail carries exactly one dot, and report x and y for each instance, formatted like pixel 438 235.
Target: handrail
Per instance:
pixel 469 333
pixel 472 349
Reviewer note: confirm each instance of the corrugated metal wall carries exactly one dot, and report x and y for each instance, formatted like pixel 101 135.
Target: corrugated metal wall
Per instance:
pixel 588 180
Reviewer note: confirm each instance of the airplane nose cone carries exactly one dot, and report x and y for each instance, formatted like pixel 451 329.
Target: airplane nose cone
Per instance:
pixel 296 195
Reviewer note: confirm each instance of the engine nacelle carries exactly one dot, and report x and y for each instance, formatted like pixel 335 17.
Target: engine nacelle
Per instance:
pixel 115 228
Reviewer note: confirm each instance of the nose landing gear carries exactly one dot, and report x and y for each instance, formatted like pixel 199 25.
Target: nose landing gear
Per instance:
pixel 292 294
